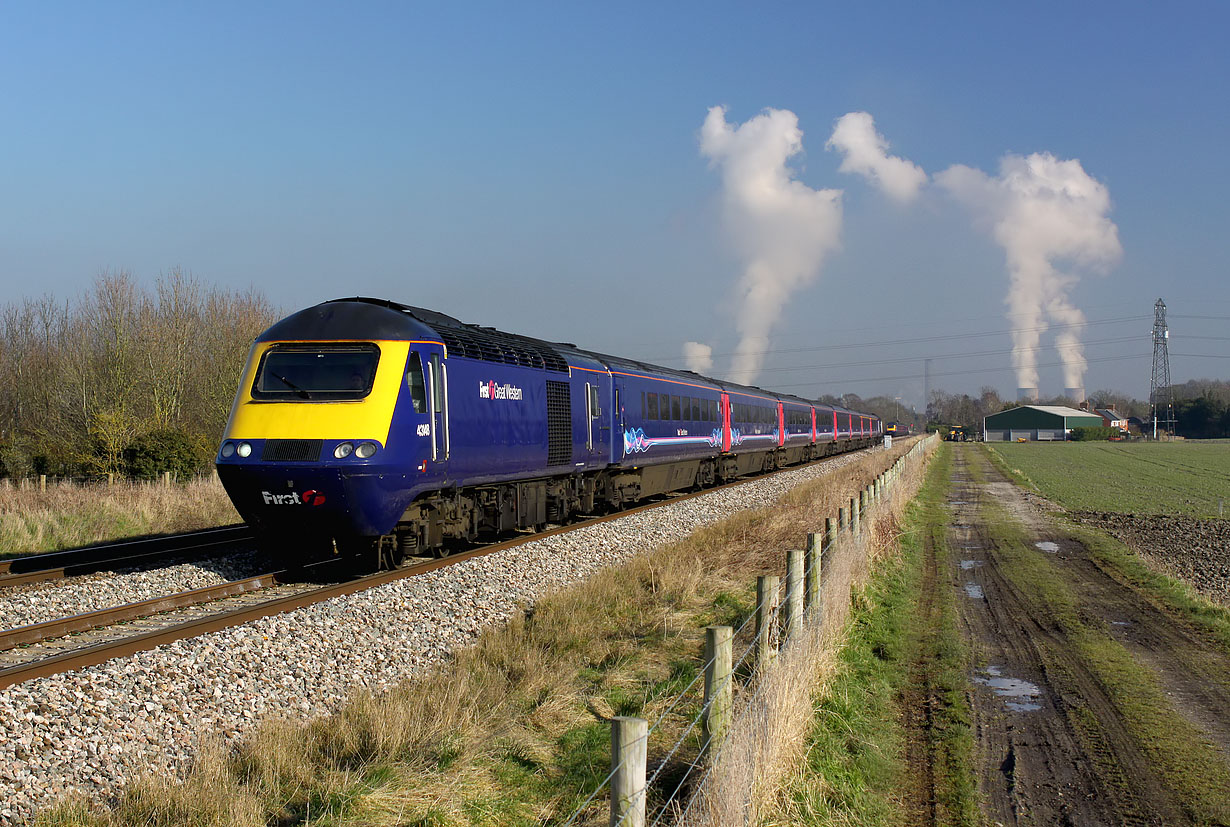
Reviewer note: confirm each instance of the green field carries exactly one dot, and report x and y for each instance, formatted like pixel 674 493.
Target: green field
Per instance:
pixel 1140 478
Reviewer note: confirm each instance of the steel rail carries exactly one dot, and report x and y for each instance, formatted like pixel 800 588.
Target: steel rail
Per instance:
pixel 102 652
pixel 89 621
pixel 55 565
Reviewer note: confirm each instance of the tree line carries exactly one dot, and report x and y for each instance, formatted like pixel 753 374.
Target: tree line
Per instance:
pixel 124 379
pixel 1201 407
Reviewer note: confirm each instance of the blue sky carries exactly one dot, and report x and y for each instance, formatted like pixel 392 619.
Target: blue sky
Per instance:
pixel 536 166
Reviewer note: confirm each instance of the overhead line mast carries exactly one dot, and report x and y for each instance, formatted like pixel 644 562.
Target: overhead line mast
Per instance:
pixel 1160 393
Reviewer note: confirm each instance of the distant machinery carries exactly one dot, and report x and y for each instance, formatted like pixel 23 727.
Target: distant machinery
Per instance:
pixel 1161 396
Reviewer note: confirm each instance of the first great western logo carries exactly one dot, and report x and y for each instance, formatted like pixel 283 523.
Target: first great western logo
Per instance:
pixel 493 390
pixel 310 497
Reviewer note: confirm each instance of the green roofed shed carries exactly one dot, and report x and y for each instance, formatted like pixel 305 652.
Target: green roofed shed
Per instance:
pixel 1037 422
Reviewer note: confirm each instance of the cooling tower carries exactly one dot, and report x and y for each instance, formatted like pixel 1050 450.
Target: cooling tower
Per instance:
pixel 1077 395
pixel 1027 394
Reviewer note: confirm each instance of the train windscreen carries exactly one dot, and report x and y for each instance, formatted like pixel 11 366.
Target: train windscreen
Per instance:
pixel 316 373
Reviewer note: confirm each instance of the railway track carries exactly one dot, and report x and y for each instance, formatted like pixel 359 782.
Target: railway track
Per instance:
pixel 72 643
pixel 19 571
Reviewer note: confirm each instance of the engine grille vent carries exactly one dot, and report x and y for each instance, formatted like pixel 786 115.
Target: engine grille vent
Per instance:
pixel 559 423
pixel 291 450
pixel 494 346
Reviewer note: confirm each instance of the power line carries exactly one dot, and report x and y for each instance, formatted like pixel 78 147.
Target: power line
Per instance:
pixel 973 372
pixel 919 340
pixel 970 354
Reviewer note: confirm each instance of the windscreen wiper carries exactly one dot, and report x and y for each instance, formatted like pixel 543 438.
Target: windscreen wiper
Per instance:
pixel 292 386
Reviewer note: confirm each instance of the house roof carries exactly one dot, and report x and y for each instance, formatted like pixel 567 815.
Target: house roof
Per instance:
pixel 1059 410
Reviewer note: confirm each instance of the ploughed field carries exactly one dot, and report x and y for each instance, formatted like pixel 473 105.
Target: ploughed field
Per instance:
pixel 1160 499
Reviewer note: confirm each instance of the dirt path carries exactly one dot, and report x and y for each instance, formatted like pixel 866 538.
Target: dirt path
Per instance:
pixel 1058 739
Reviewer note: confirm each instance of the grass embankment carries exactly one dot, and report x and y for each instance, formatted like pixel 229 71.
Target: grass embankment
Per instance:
pixel 514 730
pixel 1192 768
pixel 1129 478
pixel 68 515
pixel 903 654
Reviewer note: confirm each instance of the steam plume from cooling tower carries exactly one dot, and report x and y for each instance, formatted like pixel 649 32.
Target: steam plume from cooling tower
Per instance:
pixel 782 229
pixel 1042 211
pixel 865 151
pixel 698 357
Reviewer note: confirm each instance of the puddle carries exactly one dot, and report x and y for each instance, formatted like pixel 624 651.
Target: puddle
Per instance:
pixel 1121 623
pixel 974 591
pixel 1018 695
pixel 1047 545
pixel 958 502
pixel 972 548
pixel 966 565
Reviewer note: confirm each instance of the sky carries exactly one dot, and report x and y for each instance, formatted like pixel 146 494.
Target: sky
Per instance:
pixel 540 168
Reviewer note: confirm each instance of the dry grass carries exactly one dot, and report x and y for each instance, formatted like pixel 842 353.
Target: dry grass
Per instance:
pixel 514 730
pixel 70 515
pixel 770 734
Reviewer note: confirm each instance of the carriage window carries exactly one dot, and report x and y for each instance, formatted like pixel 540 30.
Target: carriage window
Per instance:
pixel 676 413
pixel 414 382
pixel 653 406
pixel 437 384
pixel 644 410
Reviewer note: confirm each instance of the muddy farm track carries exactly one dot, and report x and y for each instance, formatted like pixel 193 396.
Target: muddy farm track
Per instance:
pixel 1089 704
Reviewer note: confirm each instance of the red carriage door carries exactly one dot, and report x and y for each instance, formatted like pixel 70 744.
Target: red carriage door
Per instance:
pixel 781 425
pixel 725 422
pixel 834 425
pixel 813 424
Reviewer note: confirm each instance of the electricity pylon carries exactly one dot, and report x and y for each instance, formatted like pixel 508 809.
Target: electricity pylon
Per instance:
pixel 1161 397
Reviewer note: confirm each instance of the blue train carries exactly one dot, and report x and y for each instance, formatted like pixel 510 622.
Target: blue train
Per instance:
pixel 364 425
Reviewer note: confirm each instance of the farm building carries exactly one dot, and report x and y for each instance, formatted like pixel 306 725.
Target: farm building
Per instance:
pixel 1036 422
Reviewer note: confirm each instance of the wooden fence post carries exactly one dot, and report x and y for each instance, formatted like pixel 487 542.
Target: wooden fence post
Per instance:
pixel 794 592
pixel 766 613
pixel 855 513
pixel 718 690
pixel 166 478
pixel 842 518
pixel 811 565
pixel 629 756
pixel 42 482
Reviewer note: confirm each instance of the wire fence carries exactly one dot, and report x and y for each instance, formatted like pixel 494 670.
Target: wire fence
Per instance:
pixel 670 805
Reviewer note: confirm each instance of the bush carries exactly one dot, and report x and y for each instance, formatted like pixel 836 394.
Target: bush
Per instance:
pixel 160 451
pixel 1092 434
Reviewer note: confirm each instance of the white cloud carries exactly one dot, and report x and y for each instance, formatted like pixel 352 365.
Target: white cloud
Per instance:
pixel 698 357
pixel 865 152
pixel 1043 212
pixel 782 229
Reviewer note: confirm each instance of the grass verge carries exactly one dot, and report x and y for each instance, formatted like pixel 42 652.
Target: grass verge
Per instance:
pixel 858 761
pixel 69 515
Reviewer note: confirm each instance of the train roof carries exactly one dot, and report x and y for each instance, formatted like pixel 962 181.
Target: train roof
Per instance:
pixel 363 317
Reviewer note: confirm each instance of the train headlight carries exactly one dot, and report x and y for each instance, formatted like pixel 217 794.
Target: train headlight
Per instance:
pixel 228 449
pixel 244 449
pixel 365 450
pixel 343 450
